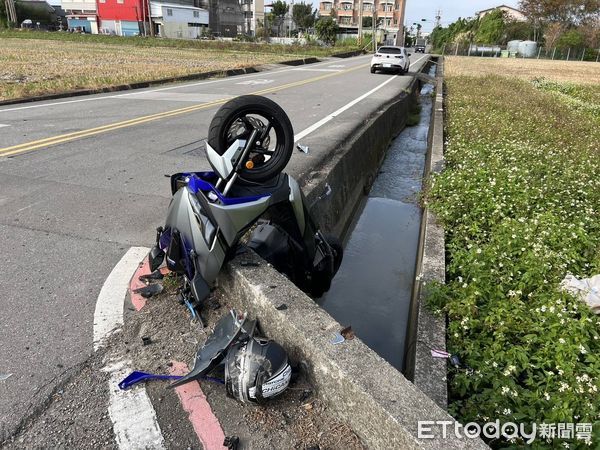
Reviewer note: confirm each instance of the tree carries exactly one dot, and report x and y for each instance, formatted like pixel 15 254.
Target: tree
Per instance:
pixel 327 30
pixel 552 34
pixel 591 34
pixel 262 31
pixel 571 39
pixel 3 15
pixel 303 15
pixel 565 12
pixel 491 28
pixel 280 9
pixel 517 29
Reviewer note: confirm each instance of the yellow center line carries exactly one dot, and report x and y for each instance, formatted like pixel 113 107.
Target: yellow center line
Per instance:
pixel 46 142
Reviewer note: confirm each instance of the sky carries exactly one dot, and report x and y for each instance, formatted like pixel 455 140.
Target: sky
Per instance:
pixel 451 10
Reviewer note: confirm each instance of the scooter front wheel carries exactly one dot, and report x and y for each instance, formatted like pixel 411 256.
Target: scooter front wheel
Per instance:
pixel 238 118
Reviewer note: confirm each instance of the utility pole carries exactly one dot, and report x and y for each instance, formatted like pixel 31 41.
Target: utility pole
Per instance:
pixel 11 13
pixel 438 19
pixel 150 25
pixel 360 19
pixel 401 27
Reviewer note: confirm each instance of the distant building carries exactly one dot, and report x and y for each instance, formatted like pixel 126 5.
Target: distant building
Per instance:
pixel 387 14
pixel 511 12
pixel 82 14
pixel 253 15
pixel 176 21
pixel 123 17
pixel 226 17
pixel 48 16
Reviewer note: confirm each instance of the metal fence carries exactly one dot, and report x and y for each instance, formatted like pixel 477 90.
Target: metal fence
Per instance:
pixel 552 53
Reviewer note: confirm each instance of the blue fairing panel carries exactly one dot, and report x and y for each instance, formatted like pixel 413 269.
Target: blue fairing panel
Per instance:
pixel 199 181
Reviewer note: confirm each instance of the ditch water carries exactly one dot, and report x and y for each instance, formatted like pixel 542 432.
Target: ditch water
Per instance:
pixel 373 287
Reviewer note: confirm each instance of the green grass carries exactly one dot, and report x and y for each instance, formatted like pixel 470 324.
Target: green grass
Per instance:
pixel 414 116
pixel 520 200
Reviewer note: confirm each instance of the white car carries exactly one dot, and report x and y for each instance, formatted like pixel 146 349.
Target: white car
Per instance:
pixel 391 58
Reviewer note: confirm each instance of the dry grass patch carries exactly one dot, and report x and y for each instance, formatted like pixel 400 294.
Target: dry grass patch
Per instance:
pixel 35 67
pixel 571 71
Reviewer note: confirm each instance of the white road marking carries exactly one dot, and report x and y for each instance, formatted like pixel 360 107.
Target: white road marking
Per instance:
pixel 178 86
pixel 347 106
pixel 2 125
pixel 256 82
pixel 109 306
pixel 131 411
pixel 337 66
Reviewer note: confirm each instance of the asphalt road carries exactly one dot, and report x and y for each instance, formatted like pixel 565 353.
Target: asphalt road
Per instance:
pixel 81 180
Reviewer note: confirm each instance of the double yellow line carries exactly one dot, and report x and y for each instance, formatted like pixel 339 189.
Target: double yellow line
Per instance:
pixel 62 138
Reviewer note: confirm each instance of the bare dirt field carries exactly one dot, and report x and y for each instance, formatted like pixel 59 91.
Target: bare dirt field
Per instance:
pixel 572 71
pixel 34 67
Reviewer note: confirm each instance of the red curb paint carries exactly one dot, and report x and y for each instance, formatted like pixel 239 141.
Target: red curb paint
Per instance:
pixel 143 269
pixel 138 301
pixel 203 420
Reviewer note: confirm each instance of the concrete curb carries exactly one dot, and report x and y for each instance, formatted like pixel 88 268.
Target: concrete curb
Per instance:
pixel 147 84
pixel 376 400
pixel 348 54
pixel 348 160
pixel 429 373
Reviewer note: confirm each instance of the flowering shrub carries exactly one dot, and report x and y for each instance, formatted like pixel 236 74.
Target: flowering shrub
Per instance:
pixel 520 200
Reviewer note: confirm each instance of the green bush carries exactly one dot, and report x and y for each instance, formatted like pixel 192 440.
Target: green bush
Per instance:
pixel 520 199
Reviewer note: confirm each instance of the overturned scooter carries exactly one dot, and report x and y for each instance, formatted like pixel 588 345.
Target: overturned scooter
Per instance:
pixel 250 141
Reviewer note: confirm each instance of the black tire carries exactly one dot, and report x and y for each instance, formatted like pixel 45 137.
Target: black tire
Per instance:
pixel 373 70
pixel 254 105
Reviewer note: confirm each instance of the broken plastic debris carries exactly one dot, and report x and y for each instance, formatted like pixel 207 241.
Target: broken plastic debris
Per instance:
pixel 149 291
pixel 136 377
pixel 303 148
pixel 337 339
pixel 156 275
pixel 231 442
pixel 5 376
pixel 439 354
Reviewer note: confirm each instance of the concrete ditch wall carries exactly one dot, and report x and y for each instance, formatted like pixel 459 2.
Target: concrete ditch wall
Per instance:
pixel 429 331
pixel 376 400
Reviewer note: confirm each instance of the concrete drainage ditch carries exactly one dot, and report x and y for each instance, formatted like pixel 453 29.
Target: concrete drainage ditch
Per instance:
pixel 381 405
pixel 373 288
